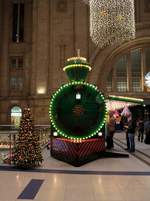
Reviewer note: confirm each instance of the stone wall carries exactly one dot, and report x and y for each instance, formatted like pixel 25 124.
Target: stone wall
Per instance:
pixel 54 30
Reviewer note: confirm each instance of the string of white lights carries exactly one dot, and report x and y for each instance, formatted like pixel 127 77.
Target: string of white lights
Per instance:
pixel 111 22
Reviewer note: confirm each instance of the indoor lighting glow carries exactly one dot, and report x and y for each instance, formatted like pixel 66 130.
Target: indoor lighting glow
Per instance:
pixel 78 96
pixel 100 134
pixel 125 98
pixel 111 22
pixel 41 90
pixel 77 58
pixel 55 134
pixel 116 105
pixel 76 65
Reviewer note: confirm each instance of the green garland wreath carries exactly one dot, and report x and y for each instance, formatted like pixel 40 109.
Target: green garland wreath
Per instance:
pixel 77 119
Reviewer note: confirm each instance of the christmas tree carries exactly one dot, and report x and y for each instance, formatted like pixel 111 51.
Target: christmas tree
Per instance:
pixel 27 151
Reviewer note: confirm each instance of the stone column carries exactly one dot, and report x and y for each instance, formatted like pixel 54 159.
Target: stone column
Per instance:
pixel 81 28
pixel 40 42
pixel 52 45
pixel 129 74
pixel 1 28
pixel 143 70
pixel 5 34
pixel 34 47
pixel 28 46
pixel 61 39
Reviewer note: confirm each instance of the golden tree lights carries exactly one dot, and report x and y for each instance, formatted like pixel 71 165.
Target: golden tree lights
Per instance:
pixel 111 22
pixel 27 151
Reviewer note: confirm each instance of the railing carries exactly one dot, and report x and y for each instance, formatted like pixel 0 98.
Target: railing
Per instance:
pixel 44 134
pixel 8 138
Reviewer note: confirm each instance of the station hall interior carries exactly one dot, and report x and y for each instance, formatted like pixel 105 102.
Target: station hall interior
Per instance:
pixel 70 70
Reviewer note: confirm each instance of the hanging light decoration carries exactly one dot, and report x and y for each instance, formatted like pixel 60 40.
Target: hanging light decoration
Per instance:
pixel 147 80
pixel 111 22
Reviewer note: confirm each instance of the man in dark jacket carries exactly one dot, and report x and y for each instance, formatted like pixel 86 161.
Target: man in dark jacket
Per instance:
pixel 111 131
pixel 131 134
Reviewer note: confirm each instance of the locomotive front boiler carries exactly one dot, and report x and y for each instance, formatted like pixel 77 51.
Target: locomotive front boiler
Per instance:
pixel 78 113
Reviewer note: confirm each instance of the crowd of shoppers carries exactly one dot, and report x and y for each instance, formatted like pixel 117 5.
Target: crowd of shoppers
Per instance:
pixel 132 127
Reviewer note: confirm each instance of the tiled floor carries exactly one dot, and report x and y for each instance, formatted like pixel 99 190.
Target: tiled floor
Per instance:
pixel 80 184
pixel 62 187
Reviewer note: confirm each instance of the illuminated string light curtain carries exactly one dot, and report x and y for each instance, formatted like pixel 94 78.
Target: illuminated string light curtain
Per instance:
pixel 116 105
pixel 147 80
pixel 111 21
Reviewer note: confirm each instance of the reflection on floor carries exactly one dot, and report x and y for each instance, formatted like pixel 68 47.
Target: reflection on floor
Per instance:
pixel 107 179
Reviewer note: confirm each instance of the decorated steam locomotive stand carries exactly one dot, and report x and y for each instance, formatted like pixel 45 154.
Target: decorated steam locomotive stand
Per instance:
pixel 78 113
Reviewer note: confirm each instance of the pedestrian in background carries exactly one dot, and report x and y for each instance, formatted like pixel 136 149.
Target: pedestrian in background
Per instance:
pixel 147 131
pixel 111 130
pixel 131 134
pixel 140 130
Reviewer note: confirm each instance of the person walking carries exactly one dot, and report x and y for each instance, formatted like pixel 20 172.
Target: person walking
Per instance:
pixel 127 140
pixel 125 126
pixel 140 130
pixel 131 134
pixel 111 130
pixel 126 116
pixel 147 131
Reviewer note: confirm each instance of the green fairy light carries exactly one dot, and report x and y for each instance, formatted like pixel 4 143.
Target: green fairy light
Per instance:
pixel 52 112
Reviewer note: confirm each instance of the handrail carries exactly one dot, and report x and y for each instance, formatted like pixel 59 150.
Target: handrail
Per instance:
pixel 4 127
pixel 8 138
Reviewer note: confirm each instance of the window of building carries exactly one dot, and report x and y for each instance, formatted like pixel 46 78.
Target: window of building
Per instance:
pixel 136 70
pixel 61 6
pixel 18 21
pixel 129 71
pixel 147 59
pixel 109 82
pixel 16 83
pixel 16 62
pixel 121 74
pixel 16 113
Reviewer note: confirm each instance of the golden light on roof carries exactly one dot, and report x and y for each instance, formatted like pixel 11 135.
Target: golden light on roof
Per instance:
pixel 77 58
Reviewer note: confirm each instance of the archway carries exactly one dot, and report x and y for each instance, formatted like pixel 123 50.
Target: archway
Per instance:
pixel 102 60
pixel 16 113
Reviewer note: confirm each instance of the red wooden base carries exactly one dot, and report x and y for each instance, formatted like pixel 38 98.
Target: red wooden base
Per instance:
pixel 77 153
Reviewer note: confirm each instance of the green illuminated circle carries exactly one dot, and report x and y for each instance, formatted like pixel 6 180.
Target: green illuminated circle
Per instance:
pixel 77 110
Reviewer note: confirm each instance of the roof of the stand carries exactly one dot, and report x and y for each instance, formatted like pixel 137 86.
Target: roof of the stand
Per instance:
pixel 118 102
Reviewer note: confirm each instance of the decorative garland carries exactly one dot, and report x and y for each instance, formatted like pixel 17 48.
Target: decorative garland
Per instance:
pixel 126 99
pixel 77 110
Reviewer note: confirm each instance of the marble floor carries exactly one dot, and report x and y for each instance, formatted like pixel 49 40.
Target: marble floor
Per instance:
pixel 108 179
